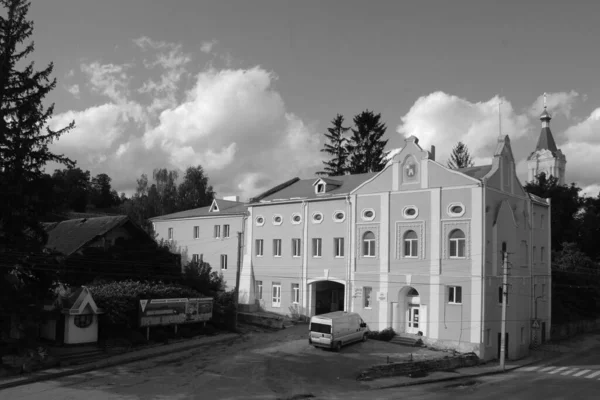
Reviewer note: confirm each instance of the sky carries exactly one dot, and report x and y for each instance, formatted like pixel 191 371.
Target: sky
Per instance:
pixel 247 88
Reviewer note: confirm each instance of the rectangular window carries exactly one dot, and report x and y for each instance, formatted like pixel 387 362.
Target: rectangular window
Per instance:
pixel 217 231
pixel 259 247
pixel 195 258
pixel 367 296
pixel 542 254
pixel 296 249
pixel 500 295
pixel 338 245
pixel 534 290
pixel 223 261
pixel 259 287
pixel 316 247
pixel 277 247
pixel 542 221
pixel 522 335
pixel 454 294
pixel 543 289
pixel 488 337
pixel 196 232
pixel 276 295
pixel 170 234
pixel 295 293
pixel 534 253
pixel 226 231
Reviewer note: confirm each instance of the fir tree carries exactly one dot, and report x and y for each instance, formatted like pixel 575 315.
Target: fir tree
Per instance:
pixel 366 147
pixel 24 135
pixel 460 157
pixel 336 147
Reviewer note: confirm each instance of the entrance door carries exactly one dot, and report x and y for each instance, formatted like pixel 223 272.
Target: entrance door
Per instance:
pixel 394 307
pixel 413 319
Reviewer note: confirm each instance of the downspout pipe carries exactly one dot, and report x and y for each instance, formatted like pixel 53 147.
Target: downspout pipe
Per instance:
pixel 483 265
pixel 348 287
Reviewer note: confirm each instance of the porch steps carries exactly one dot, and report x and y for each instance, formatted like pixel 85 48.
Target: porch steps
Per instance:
pixel 405 339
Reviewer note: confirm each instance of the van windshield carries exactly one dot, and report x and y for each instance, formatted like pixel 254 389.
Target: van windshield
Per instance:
pixel 320 328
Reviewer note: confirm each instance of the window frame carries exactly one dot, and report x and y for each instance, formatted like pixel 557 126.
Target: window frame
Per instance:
pixel 257 222
pixel 366 210
pixel 196 233
pixel 317 221
pixel 411 207
pixel 226 230
pixel 277 223
pixel 456 214
pixel 413 244
pixel 259 244
pixel 367 301
pixel 454 294
pixel 369 244
pixel 457 242
pixel 259 289
pixel 294 215
pixel 223 261
pixel 88 320
pixel 217 232
pixel 276 247
pixel 170 234
pixel 338 247
pixel 295 293
pixel 338 220
pixel 317 244
pixel 296 247
pixel 196 258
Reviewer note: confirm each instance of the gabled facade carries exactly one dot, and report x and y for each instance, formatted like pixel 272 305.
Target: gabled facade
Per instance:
pixel 207 234
pixel 415 247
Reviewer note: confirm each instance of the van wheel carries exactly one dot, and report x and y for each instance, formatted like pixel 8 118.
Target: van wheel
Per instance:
pixel 338 346
pixel 365 337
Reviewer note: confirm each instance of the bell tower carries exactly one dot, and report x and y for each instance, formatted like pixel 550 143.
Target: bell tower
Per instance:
pixel 546 157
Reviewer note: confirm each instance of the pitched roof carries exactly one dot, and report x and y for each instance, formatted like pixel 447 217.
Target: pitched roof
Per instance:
pixel 225 207
pixel 546 141
pixel 477 172
pixel 71 235
pixel 304 189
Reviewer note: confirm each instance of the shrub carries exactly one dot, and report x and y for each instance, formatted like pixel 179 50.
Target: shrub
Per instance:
pixel 385 335
pixel 200 277
pixel 120 300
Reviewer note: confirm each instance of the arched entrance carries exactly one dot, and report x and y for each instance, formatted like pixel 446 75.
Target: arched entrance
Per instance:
pixel 326 296
pixel 406 312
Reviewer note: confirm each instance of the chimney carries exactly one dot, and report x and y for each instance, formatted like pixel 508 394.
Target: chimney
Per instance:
pixel 432 153
pixel 232 198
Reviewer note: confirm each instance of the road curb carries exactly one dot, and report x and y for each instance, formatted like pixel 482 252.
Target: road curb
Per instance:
pixel 107 363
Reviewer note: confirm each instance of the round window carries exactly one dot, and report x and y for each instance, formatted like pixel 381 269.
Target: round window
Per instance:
pixel 260 220
pixel 297 218
pixel 317 217
pixel 369 214
pixel 83 321
pixel 339 215
pixel 456 209
pixel 411 211
pixel 277 219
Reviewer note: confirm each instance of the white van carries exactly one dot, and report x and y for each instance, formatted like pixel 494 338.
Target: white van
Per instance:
pixel 335 329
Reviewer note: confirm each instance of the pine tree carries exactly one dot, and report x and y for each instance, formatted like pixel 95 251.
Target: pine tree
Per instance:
pixel 460 157
pixel 366 147
pixel 24 135
pixel 336 147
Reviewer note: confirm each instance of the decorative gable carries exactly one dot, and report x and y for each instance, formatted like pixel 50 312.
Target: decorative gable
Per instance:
pixel 214 207
pixel 324 185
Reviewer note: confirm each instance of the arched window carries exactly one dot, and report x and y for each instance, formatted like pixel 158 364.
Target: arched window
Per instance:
pixel 369 244
pixel 411 243
pixel 457 244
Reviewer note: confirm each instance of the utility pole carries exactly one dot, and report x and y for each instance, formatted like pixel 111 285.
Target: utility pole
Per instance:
pixel 504 303
pixel 237 278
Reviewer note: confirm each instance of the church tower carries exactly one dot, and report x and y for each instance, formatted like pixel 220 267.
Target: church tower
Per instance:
pixel 546 157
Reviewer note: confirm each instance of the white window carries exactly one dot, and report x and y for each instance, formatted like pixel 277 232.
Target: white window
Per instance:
pixel 196 232
pixel 226 231
pixel 457 244
pixel 488 337
pixel 296 249
pixel 296 219
pixel 259 287
pixel 410 212
pixel 295 293
pixel 411 243
pixel 456 210
pixel 217 231
pixel 368 214
pixel 259 247
pixel 260 220
pixel 321 188
pixel 454 294
pixel 170 234
pixel 317 247
pixel 542 253
pixel 277 247
pixel 195 258
pixel 368 244
pixel 223 261
pixel 339 216
pixel 277 220
pixel 338 245
pixel 317 218
pixel 276 295
pixel 367 296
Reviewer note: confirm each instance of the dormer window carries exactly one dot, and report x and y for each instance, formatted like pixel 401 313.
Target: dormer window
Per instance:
pixel 324 185
pixel 321 188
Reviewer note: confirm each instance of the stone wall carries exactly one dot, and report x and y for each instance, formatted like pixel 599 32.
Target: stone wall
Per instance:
pixel 406 368
pixel 461 347
pixel 571 329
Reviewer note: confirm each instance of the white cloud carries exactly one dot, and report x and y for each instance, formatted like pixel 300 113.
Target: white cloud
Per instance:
pixel 442 120
pixel 207 46
pixel 556 103
pixel 110 80
pixel 74 90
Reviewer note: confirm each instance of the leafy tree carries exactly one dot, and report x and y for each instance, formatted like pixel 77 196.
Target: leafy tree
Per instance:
pixel 200 277
pixel 102 193
pixel 460 157
pixel 570 258
pixel 336 148
pixel 24 134
pixel 366 147
pixel 589 227
pixel 72 188
pixel 565 205
pixel 166 189
pixel 194 191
